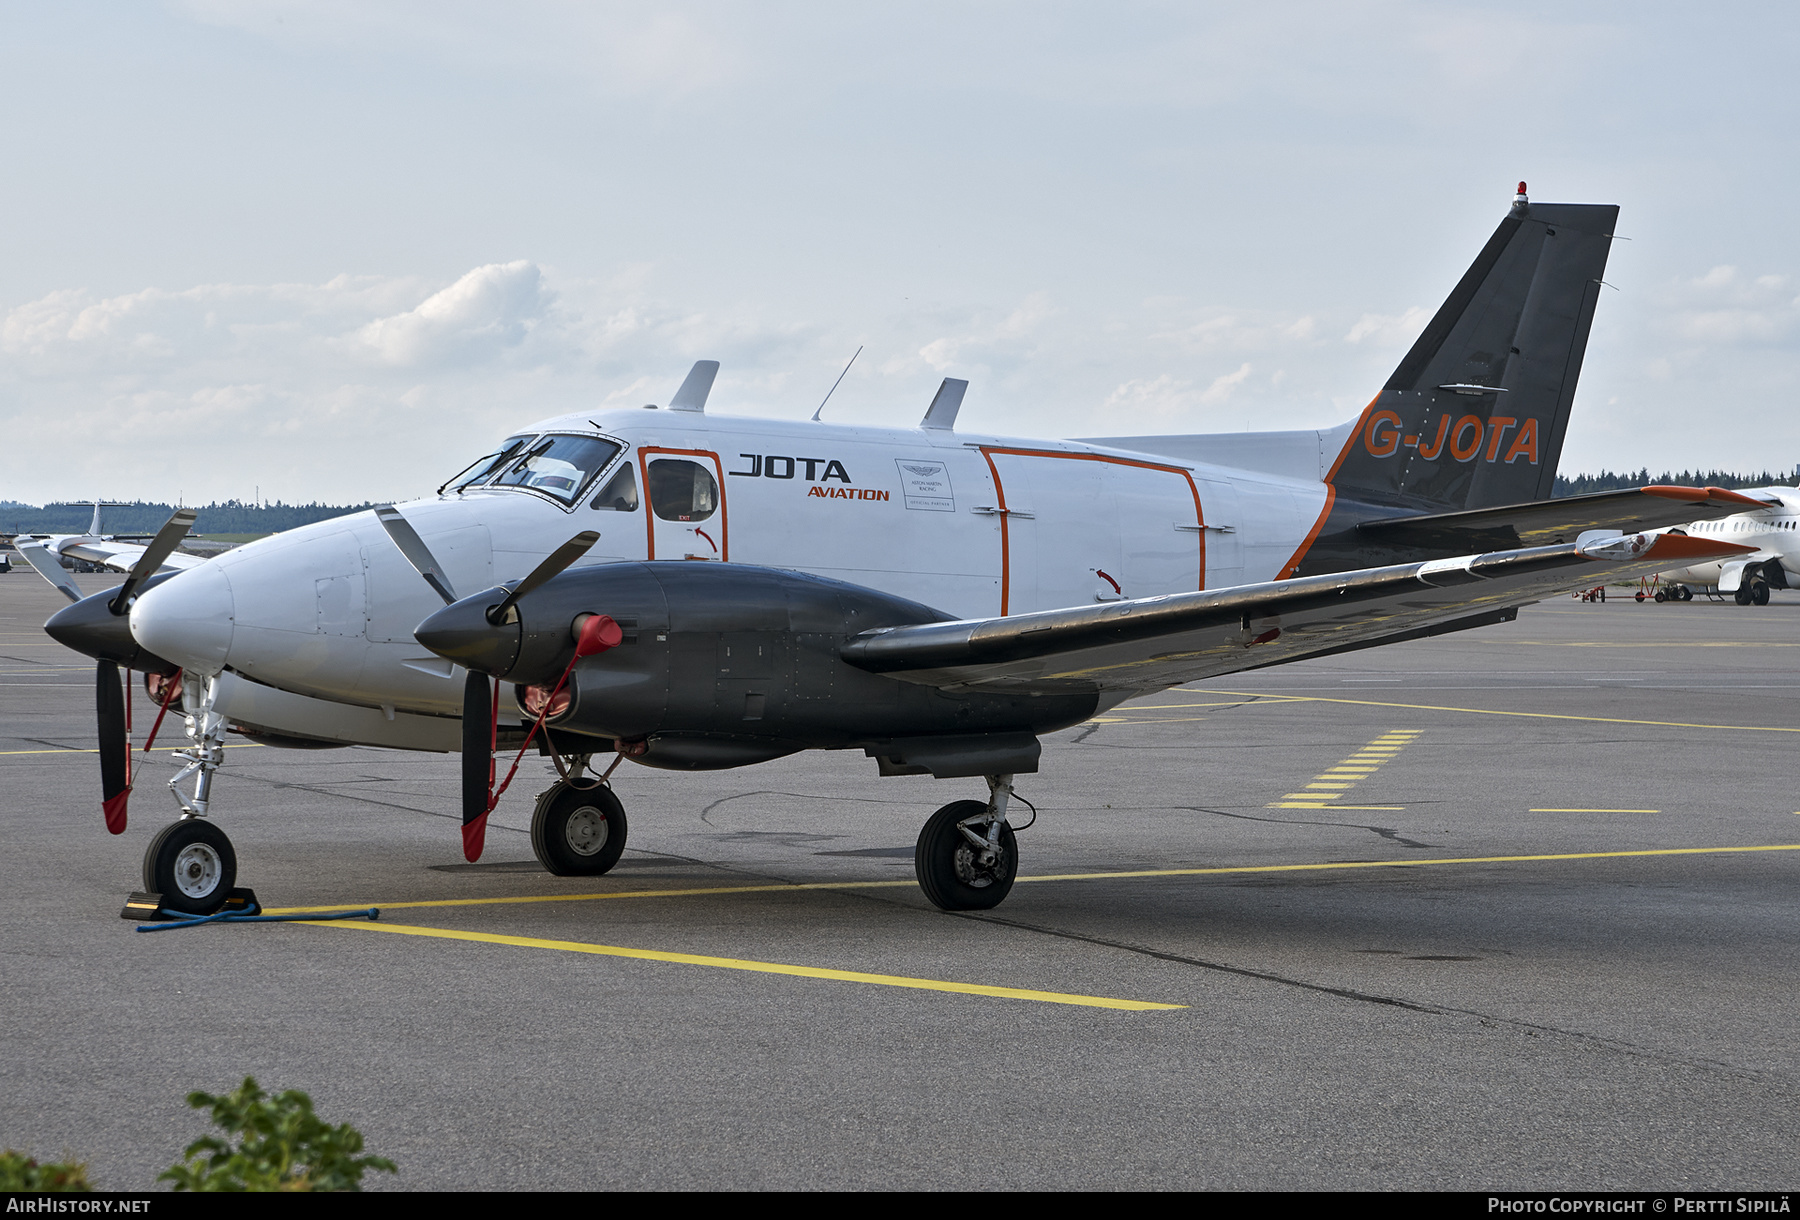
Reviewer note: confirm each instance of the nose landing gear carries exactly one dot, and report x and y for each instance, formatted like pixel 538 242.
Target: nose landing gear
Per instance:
pixel 192 865
pixel 191 862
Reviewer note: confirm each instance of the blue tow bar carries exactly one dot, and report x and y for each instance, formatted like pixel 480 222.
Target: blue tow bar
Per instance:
pixel 226 917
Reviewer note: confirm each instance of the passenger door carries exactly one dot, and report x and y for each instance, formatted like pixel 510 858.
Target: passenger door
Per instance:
pixel 685 492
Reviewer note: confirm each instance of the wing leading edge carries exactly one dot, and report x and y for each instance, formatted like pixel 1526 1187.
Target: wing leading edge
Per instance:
pixel 1126 648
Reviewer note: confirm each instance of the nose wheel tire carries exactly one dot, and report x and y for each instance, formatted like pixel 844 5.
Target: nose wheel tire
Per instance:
pixel 578 832
pixel 954 873
pixel 192 865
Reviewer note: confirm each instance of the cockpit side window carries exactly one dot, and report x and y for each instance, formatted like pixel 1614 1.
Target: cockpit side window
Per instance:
pixel 560 466
pixel 484 466
pixel 620 493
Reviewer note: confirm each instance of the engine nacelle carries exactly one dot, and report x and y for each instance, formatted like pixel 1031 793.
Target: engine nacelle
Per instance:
pixel 722 665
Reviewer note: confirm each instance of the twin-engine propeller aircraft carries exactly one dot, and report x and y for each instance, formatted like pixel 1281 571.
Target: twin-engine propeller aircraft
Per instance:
pixel 692 592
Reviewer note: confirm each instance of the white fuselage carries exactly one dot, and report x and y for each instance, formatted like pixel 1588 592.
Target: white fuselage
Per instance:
pixel 973 526
pixel 1774 532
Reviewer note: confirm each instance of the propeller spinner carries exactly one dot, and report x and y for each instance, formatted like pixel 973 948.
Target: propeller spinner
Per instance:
pixel 98 626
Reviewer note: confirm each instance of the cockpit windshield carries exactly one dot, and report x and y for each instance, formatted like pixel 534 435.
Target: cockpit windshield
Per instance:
pixel 560 466
pixel 484 466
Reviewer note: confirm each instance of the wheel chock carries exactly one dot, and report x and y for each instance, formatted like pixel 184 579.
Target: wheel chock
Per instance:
pixel 144 906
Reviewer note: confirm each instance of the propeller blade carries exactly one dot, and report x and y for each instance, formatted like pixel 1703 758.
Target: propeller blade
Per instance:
pixel 477 761
pixel 115 750
pixel 39 556
pixel 559 559
pixel 161 547
pixel 407 539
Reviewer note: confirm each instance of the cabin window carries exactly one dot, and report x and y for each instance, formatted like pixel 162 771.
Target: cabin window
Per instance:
pixel 560 466
pixel 620 493
pixel 682 490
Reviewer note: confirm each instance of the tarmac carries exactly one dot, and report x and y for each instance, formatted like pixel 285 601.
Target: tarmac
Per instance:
pixel 1511 909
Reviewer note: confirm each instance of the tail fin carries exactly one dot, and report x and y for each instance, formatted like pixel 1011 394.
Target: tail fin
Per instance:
pixel 1476 413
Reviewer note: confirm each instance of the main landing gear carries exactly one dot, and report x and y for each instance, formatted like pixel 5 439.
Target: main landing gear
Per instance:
pixel 967 857
pixel 578 828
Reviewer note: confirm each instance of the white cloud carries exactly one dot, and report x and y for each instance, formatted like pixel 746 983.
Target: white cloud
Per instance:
pixel 490 308
pixel 1388 328
pixel 1723 309
pixel 1167 398
pixel 982 345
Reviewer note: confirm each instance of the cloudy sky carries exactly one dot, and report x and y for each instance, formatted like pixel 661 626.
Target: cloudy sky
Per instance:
pixel 331 250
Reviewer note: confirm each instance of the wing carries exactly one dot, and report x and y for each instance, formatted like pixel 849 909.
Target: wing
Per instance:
pixel 1546 522
pixel 122 555
pixel 1126 648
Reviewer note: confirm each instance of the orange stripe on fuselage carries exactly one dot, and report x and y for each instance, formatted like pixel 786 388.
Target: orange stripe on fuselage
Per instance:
pixel 988 452
pixel 1292 566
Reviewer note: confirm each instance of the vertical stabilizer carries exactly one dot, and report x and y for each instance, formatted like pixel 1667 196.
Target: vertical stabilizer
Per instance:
pixel 1475 415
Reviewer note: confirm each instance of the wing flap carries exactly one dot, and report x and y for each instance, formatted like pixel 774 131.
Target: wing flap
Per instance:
pixel 1152 643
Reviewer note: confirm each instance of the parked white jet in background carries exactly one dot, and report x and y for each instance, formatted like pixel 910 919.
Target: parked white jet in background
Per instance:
pixel 694 592
pixel 1772 529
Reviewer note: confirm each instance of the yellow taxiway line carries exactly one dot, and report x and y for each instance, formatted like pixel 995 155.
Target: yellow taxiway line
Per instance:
pixel 237 745
pixel 736 963
pixel 1227 870
pixel 1483 711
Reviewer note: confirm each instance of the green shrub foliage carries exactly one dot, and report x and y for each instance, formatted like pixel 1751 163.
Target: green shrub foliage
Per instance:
pixel 281 1145
pixel 20 1172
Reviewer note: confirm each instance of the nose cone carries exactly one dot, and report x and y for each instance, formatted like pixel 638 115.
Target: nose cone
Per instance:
pixel 188 619
pixel 461 633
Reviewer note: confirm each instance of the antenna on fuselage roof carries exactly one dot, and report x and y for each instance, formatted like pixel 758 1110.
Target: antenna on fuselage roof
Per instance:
pixel 945 404
pixel 835 384
pixel 695 388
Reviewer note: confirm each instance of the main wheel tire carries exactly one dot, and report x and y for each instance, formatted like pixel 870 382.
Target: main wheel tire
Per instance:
pixel 192 865
pixel 1759 594
pixel 1742 596
pixel 949 868
pixel 578 832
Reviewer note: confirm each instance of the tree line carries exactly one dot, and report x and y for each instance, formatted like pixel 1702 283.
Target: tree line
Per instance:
pixel 1606 480
pixel 140 517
